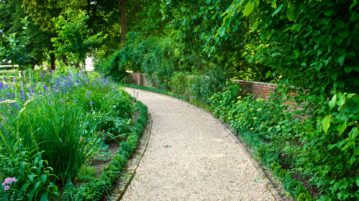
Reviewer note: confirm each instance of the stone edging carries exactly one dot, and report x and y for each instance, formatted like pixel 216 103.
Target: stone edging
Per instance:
pixel 121 186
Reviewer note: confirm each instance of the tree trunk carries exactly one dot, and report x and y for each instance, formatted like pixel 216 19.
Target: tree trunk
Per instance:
pixel 64 60
pixel 123 20
pixel 88 7
pixel 53 60
pixel 52 57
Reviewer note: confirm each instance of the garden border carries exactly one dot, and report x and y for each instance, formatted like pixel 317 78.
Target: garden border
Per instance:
pixel 122 184
pixel 101 187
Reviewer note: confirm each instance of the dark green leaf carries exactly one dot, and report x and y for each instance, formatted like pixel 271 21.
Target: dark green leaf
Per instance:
pixel 277 10
pixel 341 59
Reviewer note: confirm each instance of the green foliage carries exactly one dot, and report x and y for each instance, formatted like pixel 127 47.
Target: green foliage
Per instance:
pixel 64 120
pixel 196 25
pixel 14 49
pixel 56 127
pixel 331 149
pixel 111 111
pixel 34 179
pixel 113 66
pixel 21 41
pixel 312 44
pixel 73 41
pixel 214 80
pixel 98 187
pixel 155 56
pixel 42 12
pixel 181 83
pixel 221 103
pixel 271 131
pixel 315 157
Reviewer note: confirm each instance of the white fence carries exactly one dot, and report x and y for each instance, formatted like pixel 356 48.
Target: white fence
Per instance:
pixel 9 70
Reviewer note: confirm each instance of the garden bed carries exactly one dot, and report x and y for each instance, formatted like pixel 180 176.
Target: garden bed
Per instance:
pixel 100 187
pixel 71 135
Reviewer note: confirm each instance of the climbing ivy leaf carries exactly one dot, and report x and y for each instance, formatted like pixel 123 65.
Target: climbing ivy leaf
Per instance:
pixel 248 9
pixel 277 10
pixel 291 12
pixel 341 59
pixel 333 102
pixel 326 123
pixel 342 128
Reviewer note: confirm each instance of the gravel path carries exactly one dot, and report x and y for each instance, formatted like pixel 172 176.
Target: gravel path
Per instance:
pixel 192 156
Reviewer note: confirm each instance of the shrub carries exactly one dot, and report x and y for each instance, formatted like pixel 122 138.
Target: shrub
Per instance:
pixel 330 154
pixel 181 83
pixel 203 87
pixel 112 66
pixel 155 56
pixel 315 156
pixel 98 187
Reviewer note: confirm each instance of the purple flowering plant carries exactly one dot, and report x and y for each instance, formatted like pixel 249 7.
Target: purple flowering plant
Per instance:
pixel 7 183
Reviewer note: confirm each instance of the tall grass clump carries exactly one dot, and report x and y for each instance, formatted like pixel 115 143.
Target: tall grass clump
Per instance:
pixel 57 128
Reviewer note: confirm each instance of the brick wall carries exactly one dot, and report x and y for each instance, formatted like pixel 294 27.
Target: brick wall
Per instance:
pixel 137 78
pixel 259 89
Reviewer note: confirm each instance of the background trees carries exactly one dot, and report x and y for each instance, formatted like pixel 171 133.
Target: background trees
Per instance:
pixel 33 31
pixel 73 40
pixel 21 41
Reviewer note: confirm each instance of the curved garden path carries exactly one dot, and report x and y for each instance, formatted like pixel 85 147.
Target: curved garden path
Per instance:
pixel 192 156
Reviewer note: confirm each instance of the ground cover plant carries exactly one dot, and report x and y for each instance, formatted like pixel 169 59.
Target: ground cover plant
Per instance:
pixel 315 156
pixel 53 125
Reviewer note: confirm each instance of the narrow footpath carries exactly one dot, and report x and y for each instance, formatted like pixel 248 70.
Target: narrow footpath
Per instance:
pixel 192 156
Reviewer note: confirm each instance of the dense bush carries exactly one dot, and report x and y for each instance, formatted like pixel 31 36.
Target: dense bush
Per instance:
pixel 155 56
pixel 199 87
pixel 181 83
pixel 330 155
pixel 315 156
pixel 206 85
pixel 113 66
pixel 311 44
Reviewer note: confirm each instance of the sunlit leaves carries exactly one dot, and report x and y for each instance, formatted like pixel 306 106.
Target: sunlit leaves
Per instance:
pixel 326 123
pixel 248 9
pixel 73 38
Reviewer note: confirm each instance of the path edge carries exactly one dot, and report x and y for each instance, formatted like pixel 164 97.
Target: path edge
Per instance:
pixel 121 186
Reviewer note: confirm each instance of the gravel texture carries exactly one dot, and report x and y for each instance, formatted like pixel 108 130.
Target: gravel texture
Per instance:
pixel 192 156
